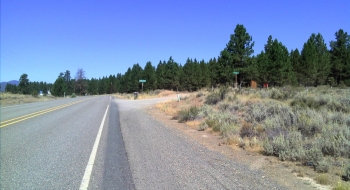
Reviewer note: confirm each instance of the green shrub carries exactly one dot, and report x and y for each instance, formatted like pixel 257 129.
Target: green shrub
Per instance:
pixel 189 114
pixel 236 105
pixel 309 122
pixel 278 94
pixel 247 130
pixel 224 122
pixel 203 126
pixel 223 91
pixel 224 106
pixel 342 186
pixel 323 179
pixel 337 103
pixel 256 112
pixel 35 94
pixel 204 111
pixel 73 96
pixel 232 98
pixel 264 93
pixel 268 148
pixel 346 176
pixel 322 166
pixel 228 129
pixel 199 94
pixel 313 154
pixel 213 98
pixel 212 123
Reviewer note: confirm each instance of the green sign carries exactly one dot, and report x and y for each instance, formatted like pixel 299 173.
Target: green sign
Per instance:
pixel 142 80
pixel 235 73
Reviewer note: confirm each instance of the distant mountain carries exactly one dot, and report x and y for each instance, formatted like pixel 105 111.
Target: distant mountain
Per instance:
pixel 3 84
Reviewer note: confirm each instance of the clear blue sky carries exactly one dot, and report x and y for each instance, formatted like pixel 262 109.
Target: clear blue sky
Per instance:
pixel 45 37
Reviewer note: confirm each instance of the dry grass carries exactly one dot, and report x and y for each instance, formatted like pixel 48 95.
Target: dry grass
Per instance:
pixel 166 93
pixel 193 124
pixel 323 179
pixel 169 108
pixel 8 99
pixel 341 185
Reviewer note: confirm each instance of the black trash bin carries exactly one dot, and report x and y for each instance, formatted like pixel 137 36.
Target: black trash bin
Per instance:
pixel 136 94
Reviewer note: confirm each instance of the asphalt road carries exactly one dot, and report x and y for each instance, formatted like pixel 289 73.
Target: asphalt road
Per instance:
pixel 53 149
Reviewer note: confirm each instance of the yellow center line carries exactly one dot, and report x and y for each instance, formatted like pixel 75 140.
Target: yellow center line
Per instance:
pixel 35 114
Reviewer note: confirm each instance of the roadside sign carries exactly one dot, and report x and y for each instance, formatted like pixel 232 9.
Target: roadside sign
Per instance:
pixel 235 73
pixel 142 80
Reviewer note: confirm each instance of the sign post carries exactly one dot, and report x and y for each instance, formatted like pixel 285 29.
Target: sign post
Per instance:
pixel 236 73
pixel 142 81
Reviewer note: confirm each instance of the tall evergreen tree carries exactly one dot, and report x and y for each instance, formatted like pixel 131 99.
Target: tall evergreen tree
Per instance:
pixel 172 78
pixel 189 78
pixel 23 85
pixel 118 82
pixel 264 67
pixel 214 68
pixel 136 75
pixel 295 58
pixel 240 47
pixel 149 74
pixel 225 67
pixel 340 57
pixel 316 60
pixel 68 81
pixel 280 65
pixel 160 75
pixel 59 87
pixel 204 77
pixel 93 86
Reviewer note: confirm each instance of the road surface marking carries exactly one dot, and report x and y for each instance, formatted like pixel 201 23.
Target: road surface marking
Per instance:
pixel 35 114
pixel 86 179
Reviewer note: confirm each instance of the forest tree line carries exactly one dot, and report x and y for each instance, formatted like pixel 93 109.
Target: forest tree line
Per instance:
pixel 314 65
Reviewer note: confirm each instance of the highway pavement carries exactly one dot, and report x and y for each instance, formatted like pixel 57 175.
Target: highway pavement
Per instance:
pixel 51 148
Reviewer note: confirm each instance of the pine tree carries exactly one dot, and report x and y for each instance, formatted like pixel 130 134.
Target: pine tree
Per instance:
pixel 340 57
pixel 160 74
pixel 23 85
pixel 279 62
pixel 264 67
pixel 240 48
pixel 171 78
pixel 189 70
pixel 316 60
pixel 136 75
pixel 297 66
pixel 214 72
pixel 204 77
pixel 149 74
pixel 59 87
pixel 225 68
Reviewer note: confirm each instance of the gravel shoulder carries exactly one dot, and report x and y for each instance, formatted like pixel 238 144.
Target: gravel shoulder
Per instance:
pixel 162 156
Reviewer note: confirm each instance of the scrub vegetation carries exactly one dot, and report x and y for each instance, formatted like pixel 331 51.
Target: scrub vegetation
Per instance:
pixel 308 126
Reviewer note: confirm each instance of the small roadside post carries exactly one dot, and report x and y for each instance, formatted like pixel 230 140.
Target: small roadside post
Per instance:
pixel 236 73
pixel 142 81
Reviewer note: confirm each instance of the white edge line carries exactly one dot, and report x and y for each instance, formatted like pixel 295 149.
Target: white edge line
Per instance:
pixel 86 179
